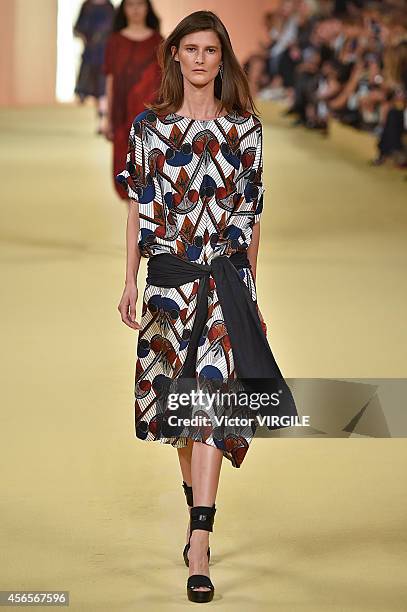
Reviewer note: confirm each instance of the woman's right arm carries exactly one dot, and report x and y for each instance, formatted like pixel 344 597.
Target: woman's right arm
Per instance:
pixel 109 104
pixel 127 305
pixel 134 179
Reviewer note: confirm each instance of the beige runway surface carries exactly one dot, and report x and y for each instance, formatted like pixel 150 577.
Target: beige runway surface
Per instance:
pixel 305 524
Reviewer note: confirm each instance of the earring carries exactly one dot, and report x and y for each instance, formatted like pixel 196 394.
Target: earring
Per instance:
pixel 221 71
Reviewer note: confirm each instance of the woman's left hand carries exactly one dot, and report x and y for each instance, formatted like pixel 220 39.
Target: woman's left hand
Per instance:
pixel 262 321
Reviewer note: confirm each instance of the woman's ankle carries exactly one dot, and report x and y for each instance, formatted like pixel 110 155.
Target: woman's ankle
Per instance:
pixel 200 537
pixel 198 552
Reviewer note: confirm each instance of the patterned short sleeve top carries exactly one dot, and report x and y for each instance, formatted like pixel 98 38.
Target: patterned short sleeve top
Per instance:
pixel 198 183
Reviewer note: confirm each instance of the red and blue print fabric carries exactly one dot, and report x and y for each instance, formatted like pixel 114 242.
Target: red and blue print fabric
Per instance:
pixel 199 190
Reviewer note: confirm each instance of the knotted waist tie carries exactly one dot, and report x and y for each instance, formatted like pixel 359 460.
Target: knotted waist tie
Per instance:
pixel 253 359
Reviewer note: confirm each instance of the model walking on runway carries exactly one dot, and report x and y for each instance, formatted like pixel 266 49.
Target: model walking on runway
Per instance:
pixel 132 74
pixel 93 26
pixel 194 180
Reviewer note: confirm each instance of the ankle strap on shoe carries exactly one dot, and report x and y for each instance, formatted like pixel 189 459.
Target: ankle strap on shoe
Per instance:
pixel 202 517
pixel 188 493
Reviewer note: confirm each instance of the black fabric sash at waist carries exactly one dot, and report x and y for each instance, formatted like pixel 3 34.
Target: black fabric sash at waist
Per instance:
pixel 253 359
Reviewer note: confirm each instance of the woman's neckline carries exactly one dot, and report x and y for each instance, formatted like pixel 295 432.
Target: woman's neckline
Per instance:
pixel 201 120
pixel 137 40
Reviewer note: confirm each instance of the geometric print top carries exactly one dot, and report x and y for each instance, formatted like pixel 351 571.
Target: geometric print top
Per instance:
pixel 198 183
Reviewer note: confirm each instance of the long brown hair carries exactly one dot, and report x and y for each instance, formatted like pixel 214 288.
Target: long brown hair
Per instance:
pixel 232 90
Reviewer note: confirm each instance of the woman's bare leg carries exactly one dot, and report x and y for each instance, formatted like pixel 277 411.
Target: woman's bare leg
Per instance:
pixel 184 456
pixel 206 462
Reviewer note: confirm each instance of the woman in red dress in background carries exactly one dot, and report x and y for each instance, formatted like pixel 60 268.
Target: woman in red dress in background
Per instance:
pixel 132 75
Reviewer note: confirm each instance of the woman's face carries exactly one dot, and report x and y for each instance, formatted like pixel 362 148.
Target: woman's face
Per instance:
pixel 135 11
pixel 199 56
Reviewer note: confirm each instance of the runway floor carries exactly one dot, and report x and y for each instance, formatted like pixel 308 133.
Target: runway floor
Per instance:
pixel 305 524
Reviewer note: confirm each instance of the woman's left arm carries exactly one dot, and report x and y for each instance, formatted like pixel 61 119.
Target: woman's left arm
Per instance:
pixel 253 248
pixel 252 251
pixel 257 206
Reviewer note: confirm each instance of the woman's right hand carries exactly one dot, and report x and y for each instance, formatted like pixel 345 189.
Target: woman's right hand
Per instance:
pixel 108 130
pixel 127 306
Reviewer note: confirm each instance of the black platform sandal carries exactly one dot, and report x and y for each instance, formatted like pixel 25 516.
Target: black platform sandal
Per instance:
pixel 190 501
pixel 202 517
